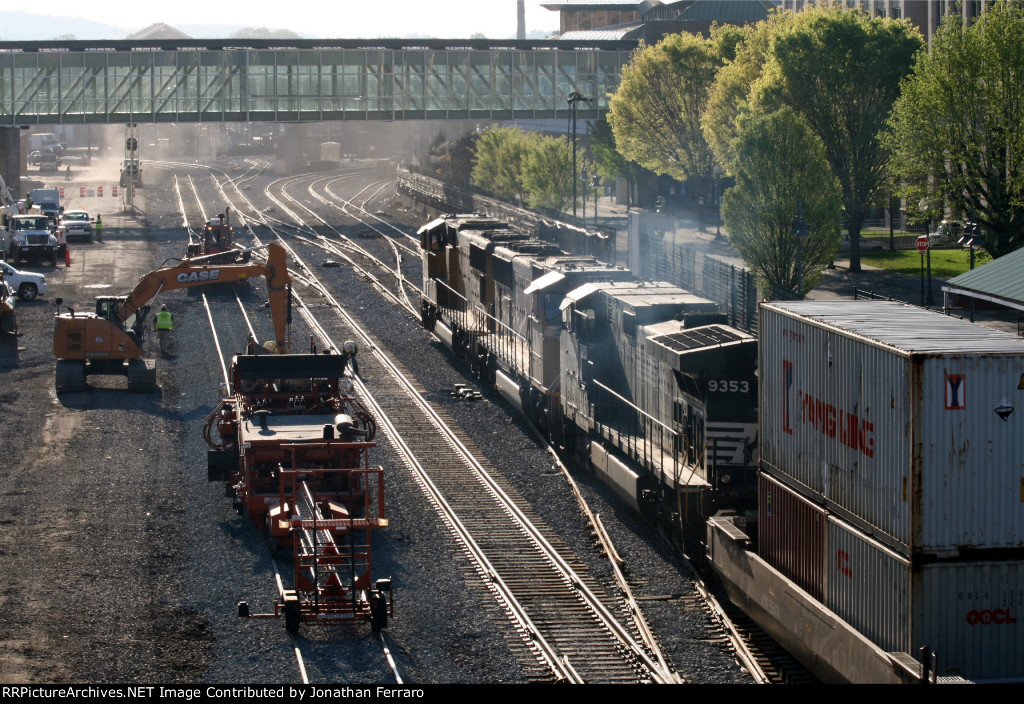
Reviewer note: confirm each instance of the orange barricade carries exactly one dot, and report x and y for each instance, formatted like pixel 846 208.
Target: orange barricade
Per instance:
pixel 114 193
pixel 83 192
pixel 61 189
pixel 99 191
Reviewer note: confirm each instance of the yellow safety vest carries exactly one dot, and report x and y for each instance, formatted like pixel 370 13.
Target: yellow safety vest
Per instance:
pixel 164 321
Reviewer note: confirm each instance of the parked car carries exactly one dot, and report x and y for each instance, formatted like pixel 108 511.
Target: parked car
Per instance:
pixel 35 157
pixel 866 243
pixel 26 284
pixel 76 223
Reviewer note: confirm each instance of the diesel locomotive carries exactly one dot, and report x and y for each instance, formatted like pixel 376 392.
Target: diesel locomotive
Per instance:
pixel 644 381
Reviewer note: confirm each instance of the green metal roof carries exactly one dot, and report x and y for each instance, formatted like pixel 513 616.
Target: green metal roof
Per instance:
pixel 728 11
pixel 1001 281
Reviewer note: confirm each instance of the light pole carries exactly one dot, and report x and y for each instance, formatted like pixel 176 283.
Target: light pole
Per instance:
pixel 718 201
pixel 970 240
pixel 799 231
pixel 574 98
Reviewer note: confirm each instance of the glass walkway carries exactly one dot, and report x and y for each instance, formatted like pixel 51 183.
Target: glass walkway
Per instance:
pixel 87 82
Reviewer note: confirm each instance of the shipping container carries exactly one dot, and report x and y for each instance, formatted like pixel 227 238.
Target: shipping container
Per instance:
pixel 967 612
pixel 791 535
pixel 330 151
pixel 902 420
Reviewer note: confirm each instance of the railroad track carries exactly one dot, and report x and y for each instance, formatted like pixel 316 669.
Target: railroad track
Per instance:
pixel 758 654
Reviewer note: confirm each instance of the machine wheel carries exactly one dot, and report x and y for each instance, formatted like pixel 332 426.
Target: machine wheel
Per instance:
pixel 141 376
pixel 28 292
pixel 292 612
pixel 70 376
pixel 378 610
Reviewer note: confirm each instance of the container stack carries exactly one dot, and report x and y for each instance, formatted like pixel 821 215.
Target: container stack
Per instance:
pixel 892 476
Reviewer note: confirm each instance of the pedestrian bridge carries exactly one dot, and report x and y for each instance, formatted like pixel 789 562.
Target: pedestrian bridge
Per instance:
pixel 96 82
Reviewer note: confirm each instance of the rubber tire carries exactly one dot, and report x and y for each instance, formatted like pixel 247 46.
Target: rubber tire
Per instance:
pixel 28 292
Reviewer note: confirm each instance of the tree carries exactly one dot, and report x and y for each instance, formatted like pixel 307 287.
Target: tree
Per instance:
pixel 500 157
pixel 609 161
pixel 746 50
pixel 545 174
pixel 956 128
pixel 780 165
pixel 840 71
pixel 655 113
pixel 264 33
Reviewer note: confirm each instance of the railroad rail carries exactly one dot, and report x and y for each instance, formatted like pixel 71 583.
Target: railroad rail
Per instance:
pixel 395 404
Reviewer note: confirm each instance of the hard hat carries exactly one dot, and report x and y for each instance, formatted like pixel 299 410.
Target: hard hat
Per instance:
pixel 349 347
pixel 163 307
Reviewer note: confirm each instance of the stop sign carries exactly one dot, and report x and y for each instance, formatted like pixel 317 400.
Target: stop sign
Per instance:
pixel 922 243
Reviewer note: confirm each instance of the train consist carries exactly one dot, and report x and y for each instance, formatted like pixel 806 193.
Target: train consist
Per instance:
pixel 292 442
pixel 643 379
pixel 889 517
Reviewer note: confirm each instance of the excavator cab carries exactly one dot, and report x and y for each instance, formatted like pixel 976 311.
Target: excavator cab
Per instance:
pixel 107 308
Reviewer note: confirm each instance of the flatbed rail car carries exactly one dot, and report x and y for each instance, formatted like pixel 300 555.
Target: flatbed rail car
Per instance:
pixel 292 443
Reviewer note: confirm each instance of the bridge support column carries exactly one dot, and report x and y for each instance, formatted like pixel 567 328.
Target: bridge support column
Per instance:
pixel 10 159
pixel 294 151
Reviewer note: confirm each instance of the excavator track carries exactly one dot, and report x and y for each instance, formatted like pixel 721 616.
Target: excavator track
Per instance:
pixel 70 376
pixel 141 376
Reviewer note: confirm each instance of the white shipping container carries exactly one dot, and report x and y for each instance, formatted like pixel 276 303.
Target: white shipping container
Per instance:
pixel 968 613
pixel 903 420
pixel 330 151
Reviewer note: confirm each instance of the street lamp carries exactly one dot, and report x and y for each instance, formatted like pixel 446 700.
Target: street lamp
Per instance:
pixel 574 98
pixel 799 231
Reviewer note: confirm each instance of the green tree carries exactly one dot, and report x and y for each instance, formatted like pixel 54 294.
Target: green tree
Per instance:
pixel 957 127
pixel 840 71
pixel 500 157
pixel 610 163
pixel 746 49
pixel 779 164
pixel 655 113
pixel 546 172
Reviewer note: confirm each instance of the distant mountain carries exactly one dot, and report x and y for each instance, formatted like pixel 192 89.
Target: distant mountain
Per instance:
pixel 24 26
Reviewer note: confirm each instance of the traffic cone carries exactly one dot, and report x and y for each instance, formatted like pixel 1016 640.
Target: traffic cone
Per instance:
pixel 67 256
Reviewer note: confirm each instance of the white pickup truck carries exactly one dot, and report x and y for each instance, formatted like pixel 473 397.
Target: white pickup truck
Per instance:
pixel 27 285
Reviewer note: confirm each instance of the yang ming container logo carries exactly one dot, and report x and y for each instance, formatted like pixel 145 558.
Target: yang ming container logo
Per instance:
pixel 955 399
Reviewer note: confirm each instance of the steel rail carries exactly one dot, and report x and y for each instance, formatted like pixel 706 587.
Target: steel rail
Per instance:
pixel 598 608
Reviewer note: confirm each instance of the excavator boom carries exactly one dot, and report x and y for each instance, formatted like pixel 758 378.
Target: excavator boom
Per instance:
pixel 104 340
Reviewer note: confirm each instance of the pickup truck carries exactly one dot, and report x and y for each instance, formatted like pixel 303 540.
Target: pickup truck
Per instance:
pixel 26 284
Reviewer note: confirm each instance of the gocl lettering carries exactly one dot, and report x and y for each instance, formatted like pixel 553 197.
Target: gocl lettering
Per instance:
pixel 196 276
pixel 990 617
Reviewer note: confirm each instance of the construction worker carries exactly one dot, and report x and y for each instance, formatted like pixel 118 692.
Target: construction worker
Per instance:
pixel 67 174
pixel 163 323
pixel 99 229
pixel 348 351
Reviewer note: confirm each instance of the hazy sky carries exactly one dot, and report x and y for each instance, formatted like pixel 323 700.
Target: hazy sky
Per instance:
pixel 317 18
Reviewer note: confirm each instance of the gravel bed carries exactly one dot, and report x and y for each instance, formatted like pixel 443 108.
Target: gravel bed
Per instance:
pixel 125 565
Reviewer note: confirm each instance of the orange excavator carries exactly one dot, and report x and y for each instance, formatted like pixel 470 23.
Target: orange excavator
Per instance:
pixel 110 341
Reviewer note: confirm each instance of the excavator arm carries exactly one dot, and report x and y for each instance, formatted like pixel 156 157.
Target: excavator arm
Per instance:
pixel 190 273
